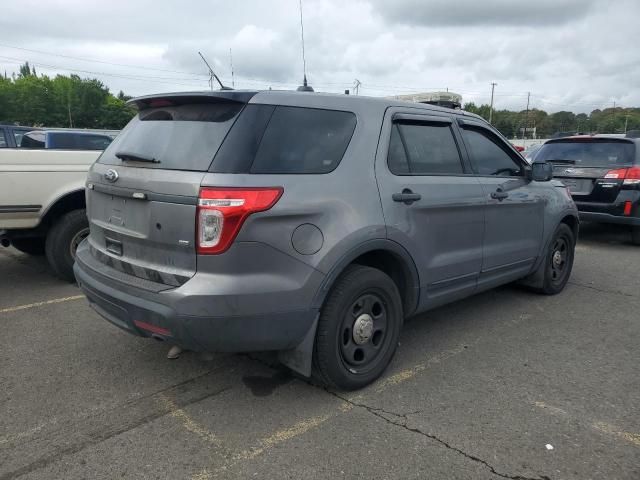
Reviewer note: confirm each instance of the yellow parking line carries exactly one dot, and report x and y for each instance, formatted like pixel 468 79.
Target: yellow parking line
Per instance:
pixel 312 423
pixel 187 422
pixel 40 304
pixel 603 427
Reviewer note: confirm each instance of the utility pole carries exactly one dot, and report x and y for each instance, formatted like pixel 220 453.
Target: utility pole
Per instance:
pixel 356 86
pixel 626 122
pixel 493 86
pixel 526 119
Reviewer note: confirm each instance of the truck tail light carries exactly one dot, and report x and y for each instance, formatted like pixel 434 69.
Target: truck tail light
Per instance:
pixel 222 211
pixel 629 176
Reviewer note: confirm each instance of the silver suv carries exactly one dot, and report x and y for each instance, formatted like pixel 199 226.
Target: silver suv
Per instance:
pixel 311 224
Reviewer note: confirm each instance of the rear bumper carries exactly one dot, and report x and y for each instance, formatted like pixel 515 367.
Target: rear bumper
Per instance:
pixel 169 314
pixel 609 218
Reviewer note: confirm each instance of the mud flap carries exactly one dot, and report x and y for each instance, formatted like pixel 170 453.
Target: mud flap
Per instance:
pixel 300 357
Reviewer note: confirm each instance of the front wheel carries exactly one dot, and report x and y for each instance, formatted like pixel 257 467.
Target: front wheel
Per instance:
pixel 558 260
pixel 358 329
pixel 63 240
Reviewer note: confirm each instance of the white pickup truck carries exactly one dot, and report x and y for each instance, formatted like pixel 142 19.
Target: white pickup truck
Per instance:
pixel 42 203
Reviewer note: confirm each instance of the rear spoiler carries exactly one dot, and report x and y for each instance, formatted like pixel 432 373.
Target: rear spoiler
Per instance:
pixel 183 98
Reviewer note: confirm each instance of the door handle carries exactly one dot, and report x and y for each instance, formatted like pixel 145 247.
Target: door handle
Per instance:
pixel 407 197
pixel 499 195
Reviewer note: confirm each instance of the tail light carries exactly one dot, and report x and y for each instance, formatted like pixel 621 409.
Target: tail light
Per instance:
pixel 222 211
pixel 629 176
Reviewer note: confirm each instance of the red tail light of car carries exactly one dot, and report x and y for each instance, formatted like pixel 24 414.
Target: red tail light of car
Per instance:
pixel 629 176
pixel 222 211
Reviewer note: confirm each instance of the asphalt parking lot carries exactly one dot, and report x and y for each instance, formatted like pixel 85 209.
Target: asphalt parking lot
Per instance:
pixel 507 384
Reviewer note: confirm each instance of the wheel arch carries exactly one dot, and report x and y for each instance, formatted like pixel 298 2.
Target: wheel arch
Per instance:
pixel 573 222
pixel 385 255
pixel 73 200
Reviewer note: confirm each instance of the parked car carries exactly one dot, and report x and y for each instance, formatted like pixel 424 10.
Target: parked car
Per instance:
pixel 311 224
pixel 42 203
pixel 603 174
pixel 530 151
pixel 65 140
pixel 11 135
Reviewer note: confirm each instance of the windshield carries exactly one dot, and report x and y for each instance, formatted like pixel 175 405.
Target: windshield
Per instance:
pixel 591 153
pixel 182 137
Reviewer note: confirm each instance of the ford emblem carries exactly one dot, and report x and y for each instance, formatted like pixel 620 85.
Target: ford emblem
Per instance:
pixel 111 175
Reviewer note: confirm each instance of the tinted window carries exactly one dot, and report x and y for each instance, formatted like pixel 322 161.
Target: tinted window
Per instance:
pixel 32 140
pixel 304 140
pixel 591 153
pixel 397 157
pixel 489 158
pixel 430 149
pixel 62 141
pixel 3 140
pixel 182 137
pixel 93 142
pixel 18 134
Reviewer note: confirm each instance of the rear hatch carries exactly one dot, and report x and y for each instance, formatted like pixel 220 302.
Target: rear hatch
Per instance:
pixel 143 191
pixel 588 165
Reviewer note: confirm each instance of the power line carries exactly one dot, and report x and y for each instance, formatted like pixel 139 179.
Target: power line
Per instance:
pixel 84 59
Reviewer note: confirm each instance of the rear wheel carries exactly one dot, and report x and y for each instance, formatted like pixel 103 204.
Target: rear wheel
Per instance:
pixel 635 235
pixel 558 261
pixel 358 329
pixel 63 240
pixel 31 246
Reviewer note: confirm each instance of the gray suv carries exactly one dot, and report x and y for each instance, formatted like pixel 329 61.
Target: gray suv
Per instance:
pixel 311 224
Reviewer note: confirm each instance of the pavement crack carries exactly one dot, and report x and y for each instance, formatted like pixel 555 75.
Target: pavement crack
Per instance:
pixel 601 290
pixel 401 419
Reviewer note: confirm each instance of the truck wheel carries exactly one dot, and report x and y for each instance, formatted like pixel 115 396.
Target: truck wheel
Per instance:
pixel 30 246
pixel 358 329
pixel 635 235
pixel 63 240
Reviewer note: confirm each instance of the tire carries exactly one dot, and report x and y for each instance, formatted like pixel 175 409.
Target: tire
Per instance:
pixel 63 239
pixel 358 329
pixel 30 246
pixel 635 235
pixel 558 261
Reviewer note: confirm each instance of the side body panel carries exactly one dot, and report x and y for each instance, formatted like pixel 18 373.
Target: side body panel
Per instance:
pixel 442 231
pixel 32 180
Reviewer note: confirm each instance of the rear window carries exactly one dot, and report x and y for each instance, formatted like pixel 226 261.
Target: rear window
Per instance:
pixel 269 139
pixel 588 153
pixel 181 137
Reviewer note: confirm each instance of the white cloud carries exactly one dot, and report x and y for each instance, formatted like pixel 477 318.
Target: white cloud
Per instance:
pixel 568 54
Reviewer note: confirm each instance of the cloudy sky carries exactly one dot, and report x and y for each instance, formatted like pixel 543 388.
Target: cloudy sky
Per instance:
pixel 570 54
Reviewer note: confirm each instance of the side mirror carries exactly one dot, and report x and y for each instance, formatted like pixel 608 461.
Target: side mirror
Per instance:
pixel 541 171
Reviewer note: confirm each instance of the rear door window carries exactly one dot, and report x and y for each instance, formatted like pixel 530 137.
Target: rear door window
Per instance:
pixel 3 140
pixel 588 153
pixel 429 149
pixel 304 140
pixel 179 137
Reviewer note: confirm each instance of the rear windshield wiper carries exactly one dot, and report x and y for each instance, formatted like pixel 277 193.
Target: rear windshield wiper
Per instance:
pixel 571 162
pixel 135 157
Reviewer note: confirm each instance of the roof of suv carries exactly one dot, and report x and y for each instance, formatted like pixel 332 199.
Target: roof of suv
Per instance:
pixel 331 100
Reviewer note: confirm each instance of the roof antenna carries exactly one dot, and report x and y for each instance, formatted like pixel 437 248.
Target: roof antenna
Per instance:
pixel 304 87
pixel 213 75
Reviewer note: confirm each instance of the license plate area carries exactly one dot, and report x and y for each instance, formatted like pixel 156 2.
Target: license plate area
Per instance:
pixel 577 185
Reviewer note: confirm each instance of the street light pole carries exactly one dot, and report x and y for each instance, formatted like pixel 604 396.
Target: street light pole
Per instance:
pixel 493 86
